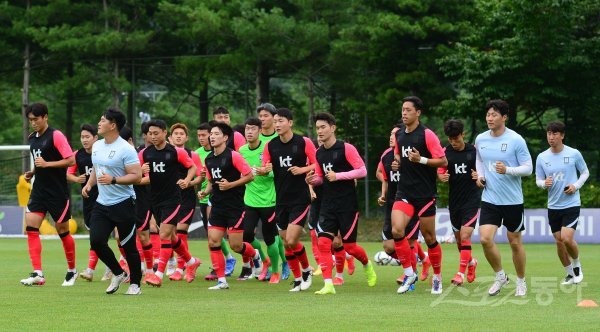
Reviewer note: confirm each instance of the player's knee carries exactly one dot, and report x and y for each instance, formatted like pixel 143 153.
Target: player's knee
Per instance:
pixel 237 247
pixel 214 242
pixel 388 246
pixel 486 241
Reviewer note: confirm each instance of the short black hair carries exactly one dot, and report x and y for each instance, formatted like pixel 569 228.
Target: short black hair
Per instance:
pixel 453 128
pixel 266 107
pixel 126 133
pixel 240 128
pixel 157 123
pixel 144 127
pixel 416 101
pixel 220 110
pixel 327 117
pixel 113 114
pixel 37 109
pixel 204 126
pixel 88 127
pixel 556 127
pixel 253 122
pixel 497 105
pixel 223 127
pixel 285 113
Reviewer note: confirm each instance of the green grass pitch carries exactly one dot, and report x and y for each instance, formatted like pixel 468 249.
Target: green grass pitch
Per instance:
pixel 253 305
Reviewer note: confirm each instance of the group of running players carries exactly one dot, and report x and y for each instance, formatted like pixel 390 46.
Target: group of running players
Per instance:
pixel 147 196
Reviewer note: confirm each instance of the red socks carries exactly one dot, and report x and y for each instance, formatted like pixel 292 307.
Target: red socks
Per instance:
pixel 148 258
pixel 413 258
pixel 69 247
pixel 465 256
pixel 435 257
pixel 218 261
pixel 315 246
pixel 182 235
pixel 293 263
pixel 93 261
pixel 35 247
pixel 324 244
pixel 420 251
pixel 300 253
pixel 358 252
pixel 180 249
pixel 248 251
pixel 165 253
pixel 340 259
pixel 155 240
pixel 403 251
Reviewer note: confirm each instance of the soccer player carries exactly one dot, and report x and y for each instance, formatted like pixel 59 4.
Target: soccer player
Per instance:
pixel 502 159
pixel 266 114
pixel 418 153
pixel 179 136
pixel 83 165
pixel 339 165
pixel 259 199
pixel 227 172
pixel 464 195
pixel 50 194
pixel 290 157
pixel 116 168
pixel 203 135
pixel 235 142
pixel 556 170
pixel 163 161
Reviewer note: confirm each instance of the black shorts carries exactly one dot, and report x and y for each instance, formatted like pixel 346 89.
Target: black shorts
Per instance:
pixel 386 232
pixel 466 217
pixel 186 212
pixel 227 220
pixel 559 218
pixel 313 214
pixel 88 207
pixel 422 207
pixel 291 215
pixel 511 216
pixel 204 212
pixel 412 229
pixel 59 209
pixel 334 219
pixel 143 214
pixel 167 214
pixel 269 223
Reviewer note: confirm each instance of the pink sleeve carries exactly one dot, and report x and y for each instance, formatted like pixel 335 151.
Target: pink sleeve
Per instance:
pixel 319 173
pixel 141 156
pixel 352 156
pixel 238 140
pixel 73 169
pixel 383 173
pixel 266 158
pixel 61 144
pixel 442 170
pixel 310 151
pixel 433 144
pixel 183 158
pixel 208 175
pixel 240 163
pixel 197 162
pixel 396 151
pixel 318 169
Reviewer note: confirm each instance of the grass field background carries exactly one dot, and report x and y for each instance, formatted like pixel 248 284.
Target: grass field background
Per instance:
pixel 253 305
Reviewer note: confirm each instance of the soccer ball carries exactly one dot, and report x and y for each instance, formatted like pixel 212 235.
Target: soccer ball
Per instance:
pixel 382 258
pixel 394 262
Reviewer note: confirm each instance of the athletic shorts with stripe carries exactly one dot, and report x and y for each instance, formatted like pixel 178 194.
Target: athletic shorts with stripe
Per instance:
pixel 58 208
pixel 226 220
pixel 334 219
pixel 466 217
pixel 559 218
pixel 294 214
pixel 422 207
pixel 412 229
pixel 268 220
pixel 167 214
pixel 313 215
pixel 511 216
pixel 143 214
pixel 187 209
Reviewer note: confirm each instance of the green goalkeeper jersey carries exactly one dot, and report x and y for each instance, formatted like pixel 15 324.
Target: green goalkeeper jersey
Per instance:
pixel 260 192
pixel 203 153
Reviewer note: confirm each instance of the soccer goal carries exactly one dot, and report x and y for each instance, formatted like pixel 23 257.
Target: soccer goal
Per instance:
pixel 14 161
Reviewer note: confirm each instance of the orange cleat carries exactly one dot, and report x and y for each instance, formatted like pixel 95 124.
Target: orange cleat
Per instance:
pixel 351 266
pixel 176 276
pixel 190 271
pixel 153 280
pixel 146 277
pixel 265 270
pixel 457 280
pixel 400 280
pixel 425 270
pixel 275 278
pixel 337 281
pixel 471 271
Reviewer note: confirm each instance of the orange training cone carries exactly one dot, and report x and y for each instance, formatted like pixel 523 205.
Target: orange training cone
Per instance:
pixel 587 304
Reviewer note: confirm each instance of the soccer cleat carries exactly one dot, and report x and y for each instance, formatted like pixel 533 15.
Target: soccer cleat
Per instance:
pixel 406 283
pixel 296 286
pixel 521 289
pixel 153 280
pixel 263 276
pixel 211 276
pixel 370 273
pixel 425 270
pixel 190 271
pixel 107 275
pixel 318 271
pixel 275 278
pixel 133 290
pixel 327 289
pixel 400 279
pixel 155 266
pixel 337 281
pixel 124 265
pixel 229 266
pixel 411 288
pixel 34 280
pixel 256 267
pixel 245 274
pixel 351 265
pixel 171 266
pixel 176 276
pixel 568 280
pixel 471 269
pixel 577 275
pixel 116 282
pixel 70 279
pixel 285 271
pixel 497 285
pixel 148 275
pixel 306 280
pixel 87 274
pixel 220 285
pixel 457 280
pixel 436 285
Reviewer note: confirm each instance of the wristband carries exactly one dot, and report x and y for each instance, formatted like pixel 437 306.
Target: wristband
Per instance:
pixel 114 180
pixel 423 161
